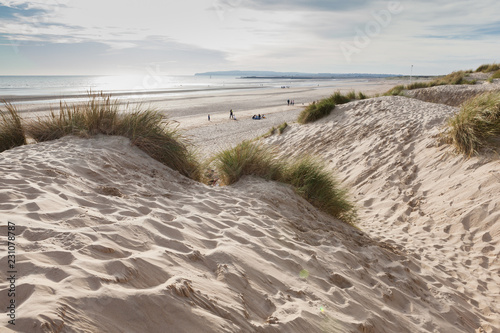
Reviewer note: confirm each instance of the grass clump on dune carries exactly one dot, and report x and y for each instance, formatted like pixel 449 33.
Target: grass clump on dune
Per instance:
pixel 476 125
pixel 487 68
pixel 325 106
pixel 495 75
pixel 247 158
pixel 417 85
pixel 282 127
pixel 339 98
pixel 317 186
pixel 11 129
pixel 362 95
pixel 395 91
pixel 308 177
pixel 450 79
pixel 350 95
pixel 146 129
pixel 152 133
pixel 98 116
pixel 316 111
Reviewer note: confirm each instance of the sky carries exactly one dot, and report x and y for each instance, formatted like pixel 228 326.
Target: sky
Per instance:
pixel 164 37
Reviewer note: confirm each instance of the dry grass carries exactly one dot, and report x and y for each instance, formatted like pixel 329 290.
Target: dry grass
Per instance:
pixel 325 106
pixel 450 79
pixel 487 68
pixel 320 188
pixel 282 127
pixel 151 132
pixel 97 116
pixel 495 75
pixel 11 129
pixel 247 158
pixel 476 125
pixel 147 129
pixel 395 91
pixel 307 176
pixel 316 111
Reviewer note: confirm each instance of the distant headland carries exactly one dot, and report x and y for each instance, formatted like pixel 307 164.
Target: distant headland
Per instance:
pixel 294 75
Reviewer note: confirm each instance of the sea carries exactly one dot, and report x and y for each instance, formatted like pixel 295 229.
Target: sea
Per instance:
pixel 40 89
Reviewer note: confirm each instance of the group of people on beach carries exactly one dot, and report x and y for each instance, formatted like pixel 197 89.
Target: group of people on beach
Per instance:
pixel 291 102
pixel 232 116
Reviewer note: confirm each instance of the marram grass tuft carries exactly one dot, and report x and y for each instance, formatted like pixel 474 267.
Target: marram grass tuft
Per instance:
pixel 476 125
pixel 11 128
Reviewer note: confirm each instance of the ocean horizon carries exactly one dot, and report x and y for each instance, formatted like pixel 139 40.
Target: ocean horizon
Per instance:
pixel 50 88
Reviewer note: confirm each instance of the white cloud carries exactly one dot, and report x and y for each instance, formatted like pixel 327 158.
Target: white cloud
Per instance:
pixel 295 35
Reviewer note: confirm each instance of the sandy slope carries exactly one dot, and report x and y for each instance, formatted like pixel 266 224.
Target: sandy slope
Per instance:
pixel 440 209
pixel 453 95
pixel 109 240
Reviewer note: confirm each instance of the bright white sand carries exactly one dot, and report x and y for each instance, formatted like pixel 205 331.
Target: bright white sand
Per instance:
pixel 109 240
pixel 439 209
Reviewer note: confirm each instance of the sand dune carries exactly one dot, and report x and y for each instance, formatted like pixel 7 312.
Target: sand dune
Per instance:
pixel 109 240
pixel 452 95
pixel 438 208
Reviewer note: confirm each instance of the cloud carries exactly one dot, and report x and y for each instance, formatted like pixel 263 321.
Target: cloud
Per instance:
pixel 464 31
pixel 90 57
pixel 278 35
pixel 294 5
pixel 16 12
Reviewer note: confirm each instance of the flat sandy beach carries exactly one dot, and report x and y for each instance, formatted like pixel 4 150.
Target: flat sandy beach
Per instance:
pixel 110 240
pixel 190 111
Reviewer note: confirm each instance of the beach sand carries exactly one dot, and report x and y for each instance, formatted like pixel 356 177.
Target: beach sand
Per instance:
pixel 109 240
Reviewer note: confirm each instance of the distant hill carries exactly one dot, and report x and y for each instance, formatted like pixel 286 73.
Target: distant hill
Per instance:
pixel 293 75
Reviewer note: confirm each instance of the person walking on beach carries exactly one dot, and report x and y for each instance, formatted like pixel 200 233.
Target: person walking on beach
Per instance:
pixel 288 102
pixel 208 117
pixel 231 114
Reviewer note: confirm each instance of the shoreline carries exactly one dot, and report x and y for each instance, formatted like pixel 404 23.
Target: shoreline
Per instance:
pixel 37 98
pixel 178 103
pixel 190 112
pixel 141 237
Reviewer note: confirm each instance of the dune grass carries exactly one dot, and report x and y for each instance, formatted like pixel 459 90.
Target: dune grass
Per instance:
pixel 247 158
pixel 395 91
pixel 417 85
pixel 476 125
pixel 454 78
pixel 325 106
pixel 151 132
pixel 311 181
pixel 362 95
pixel 11 128
pixel 459 77
pixel 339 98
pixel 351 95
pixel 147 129
pixel 282 127
pixel 315 111
pixel 308 177
pixel 487 68
pixel 495 75
pixel 97 116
